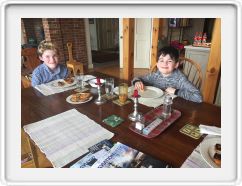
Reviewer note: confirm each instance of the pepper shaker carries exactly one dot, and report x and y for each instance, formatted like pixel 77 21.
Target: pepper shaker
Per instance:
pixel 167 106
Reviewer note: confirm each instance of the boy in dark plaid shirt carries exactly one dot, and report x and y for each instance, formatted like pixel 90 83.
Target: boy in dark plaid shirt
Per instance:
pixel 169 78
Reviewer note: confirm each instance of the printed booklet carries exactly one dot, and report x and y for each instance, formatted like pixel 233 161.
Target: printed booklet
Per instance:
pixel 106 155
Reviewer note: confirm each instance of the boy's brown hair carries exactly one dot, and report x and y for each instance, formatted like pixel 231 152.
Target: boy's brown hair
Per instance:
pixel 46 45
pixel 173 52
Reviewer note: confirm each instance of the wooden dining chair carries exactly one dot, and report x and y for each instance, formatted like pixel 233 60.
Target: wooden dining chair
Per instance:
pixel 191 69
pixel 30 58
pixel 72 65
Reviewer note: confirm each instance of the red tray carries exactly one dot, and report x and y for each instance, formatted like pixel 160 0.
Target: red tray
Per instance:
pixel 151 116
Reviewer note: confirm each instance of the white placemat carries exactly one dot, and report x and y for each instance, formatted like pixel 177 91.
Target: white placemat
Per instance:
pixel 48 88
pixel 66 136
pixel 195 160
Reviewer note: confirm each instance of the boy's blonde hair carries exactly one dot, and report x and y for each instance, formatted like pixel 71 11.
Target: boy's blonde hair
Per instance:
pixel 46 45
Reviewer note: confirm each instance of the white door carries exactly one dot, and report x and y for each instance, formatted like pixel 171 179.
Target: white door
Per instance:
pixel 142 42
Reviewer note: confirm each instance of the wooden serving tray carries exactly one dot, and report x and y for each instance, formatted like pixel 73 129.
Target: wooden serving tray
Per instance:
pixel 151 116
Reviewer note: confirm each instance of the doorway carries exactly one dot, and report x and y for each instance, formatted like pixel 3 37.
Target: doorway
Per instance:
pixel 104 36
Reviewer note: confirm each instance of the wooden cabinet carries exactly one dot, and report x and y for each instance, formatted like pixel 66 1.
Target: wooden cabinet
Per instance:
pixel 199 55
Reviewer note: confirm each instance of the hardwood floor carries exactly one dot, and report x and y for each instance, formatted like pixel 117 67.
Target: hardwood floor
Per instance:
pixel 114 70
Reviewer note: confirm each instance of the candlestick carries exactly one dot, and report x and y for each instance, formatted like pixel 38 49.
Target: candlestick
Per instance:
pixel 99 100
pixel 135 116
pixel 98 81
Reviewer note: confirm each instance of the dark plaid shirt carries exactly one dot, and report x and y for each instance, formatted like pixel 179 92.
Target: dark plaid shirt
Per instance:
pixel 176 80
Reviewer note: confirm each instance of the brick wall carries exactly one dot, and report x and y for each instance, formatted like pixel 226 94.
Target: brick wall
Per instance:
pixel 53 34
pixel 73 30
pixel 61 31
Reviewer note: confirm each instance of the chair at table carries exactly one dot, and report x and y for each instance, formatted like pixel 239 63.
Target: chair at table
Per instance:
pixel 191 69
pixel 30 61
pixel 72 65
pixel 30 58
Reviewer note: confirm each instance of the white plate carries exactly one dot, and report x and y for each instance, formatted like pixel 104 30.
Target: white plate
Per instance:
pixel 151 92
pixel 55 84
pixel 68 99
pixel 207 150
pixel 93 82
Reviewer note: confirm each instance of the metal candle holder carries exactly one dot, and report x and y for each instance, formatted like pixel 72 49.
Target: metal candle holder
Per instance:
pixel 99 100
pixel 135 116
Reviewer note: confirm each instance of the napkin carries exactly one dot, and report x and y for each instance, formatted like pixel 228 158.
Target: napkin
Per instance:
pixel 88 77
pixel 204 129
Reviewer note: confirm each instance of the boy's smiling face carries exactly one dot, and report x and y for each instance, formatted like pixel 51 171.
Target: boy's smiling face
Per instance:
pixel 50 59
pixel 166 65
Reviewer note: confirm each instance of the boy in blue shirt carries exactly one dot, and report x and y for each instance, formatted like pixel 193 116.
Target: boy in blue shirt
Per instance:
pixel 50 69
pixel 169 78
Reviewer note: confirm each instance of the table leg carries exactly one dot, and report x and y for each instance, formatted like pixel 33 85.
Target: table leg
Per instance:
pixel 33 150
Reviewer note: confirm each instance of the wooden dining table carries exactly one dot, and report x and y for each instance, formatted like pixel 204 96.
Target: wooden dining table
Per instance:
pixel 170 146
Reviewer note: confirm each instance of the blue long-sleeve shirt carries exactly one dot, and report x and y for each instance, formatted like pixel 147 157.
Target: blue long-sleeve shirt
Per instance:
pixel 42 74
pixel 176 80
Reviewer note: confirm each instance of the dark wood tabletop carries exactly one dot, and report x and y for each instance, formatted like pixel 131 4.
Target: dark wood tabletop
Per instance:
pixel 170 146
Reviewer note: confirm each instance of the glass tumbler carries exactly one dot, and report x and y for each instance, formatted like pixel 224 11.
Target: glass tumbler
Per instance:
pixel 79 80
pixel 123 92
pixel 109 86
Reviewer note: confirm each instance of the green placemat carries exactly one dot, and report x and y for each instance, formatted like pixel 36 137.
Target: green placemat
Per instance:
pixel 113 120
pixel 119 103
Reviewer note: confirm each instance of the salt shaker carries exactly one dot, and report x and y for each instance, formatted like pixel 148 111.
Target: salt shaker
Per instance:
pixel 167 106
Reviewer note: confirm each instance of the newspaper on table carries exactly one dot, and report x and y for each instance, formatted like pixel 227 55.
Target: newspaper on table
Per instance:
pixel 120 156
pixel 66 136
pixel 95 152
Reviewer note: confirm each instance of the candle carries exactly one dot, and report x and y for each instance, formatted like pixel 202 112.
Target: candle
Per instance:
pixel 98 81
pixel 135 93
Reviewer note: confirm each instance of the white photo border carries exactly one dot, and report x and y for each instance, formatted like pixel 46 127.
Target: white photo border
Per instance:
pixel 8 169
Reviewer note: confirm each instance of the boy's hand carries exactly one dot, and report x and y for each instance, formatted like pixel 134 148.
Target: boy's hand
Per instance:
pixel 139 86
pixel 170 90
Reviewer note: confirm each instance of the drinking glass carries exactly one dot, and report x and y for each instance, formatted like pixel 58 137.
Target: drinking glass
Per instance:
pixel 123 92
pixel 109 86
pixel 79 80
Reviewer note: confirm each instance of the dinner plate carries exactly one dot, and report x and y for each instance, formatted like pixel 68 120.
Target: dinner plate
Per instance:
pixel 207 150
pixel 93 82
pixel 68 99
pixel 55 84
pixel 151 92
